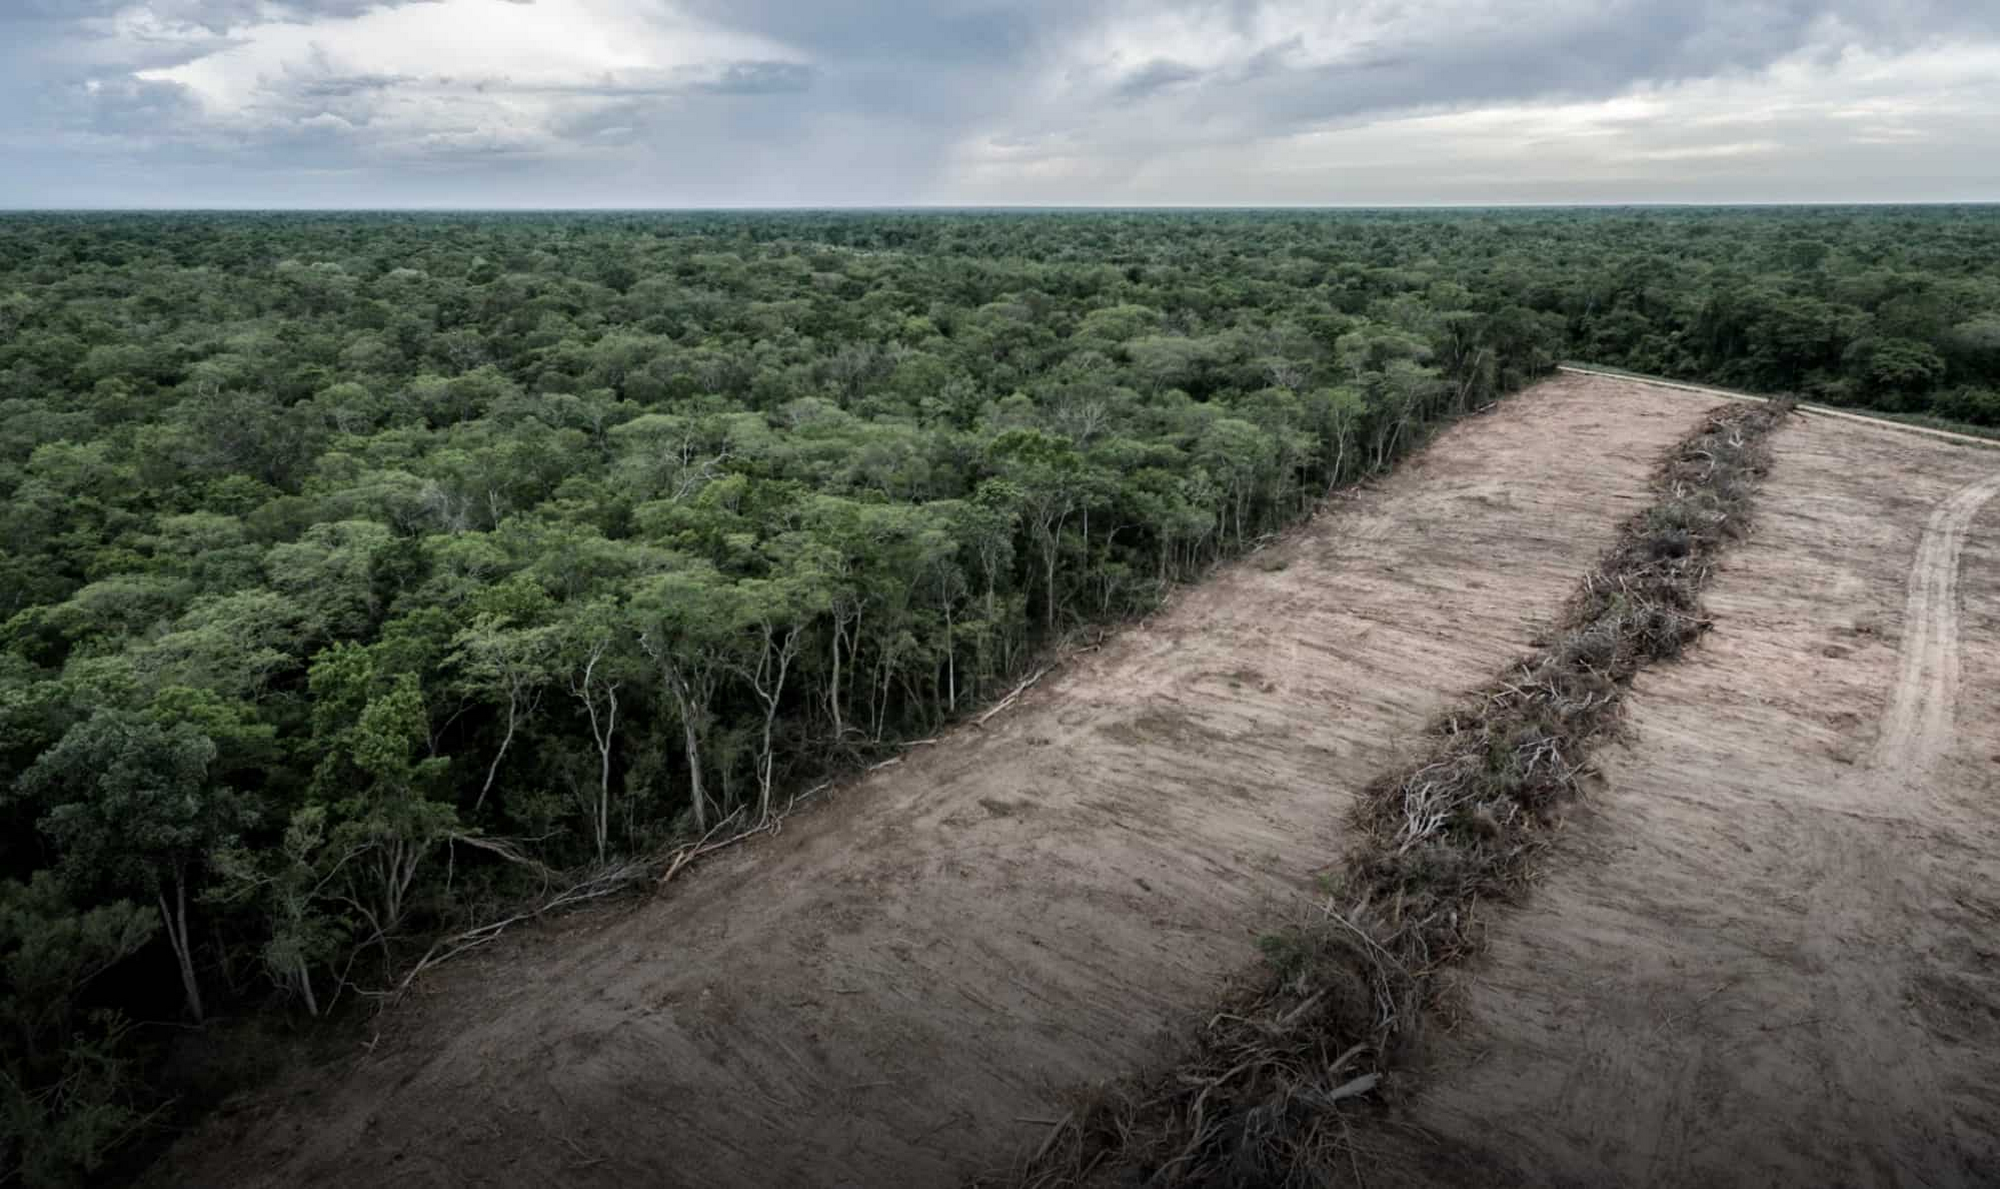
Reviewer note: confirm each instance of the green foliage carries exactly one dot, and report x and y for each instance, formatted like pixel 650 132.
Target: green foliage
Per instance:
pixel 65 1088
pixel 127 799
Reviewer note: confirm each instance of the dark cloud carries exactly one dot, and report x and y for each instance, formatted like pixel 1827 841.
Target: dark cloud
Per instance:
pixel 342 86
pixel 64 11
pixel 756 78
pixel 713 78
pixel 905 32
pixel 1156 75
pixel 133 107
pixel 222 15
pixel 214 15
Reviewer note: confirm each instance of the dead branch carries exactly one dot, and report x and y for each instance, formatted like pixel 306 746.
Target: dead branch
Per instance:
pixel 1009 700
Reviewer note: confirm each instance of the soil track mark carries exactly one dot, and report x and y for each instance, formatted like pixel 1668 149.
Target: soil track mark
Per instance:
pixel 1917 730
pixel 896 988
pixel 1895 1051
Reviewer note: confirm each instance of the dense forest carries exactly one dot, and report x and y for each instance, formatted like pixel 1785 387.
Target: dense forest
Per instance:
pixel 364 576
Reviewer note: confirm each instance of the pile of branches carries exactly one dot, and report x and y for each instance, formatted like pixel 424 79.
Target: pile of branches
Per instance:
pixel 1255 1097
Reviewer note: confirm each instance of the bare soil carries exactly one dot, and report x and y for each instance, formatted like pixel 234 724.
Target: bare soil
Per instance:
pixel 1770 952
pixel 898 988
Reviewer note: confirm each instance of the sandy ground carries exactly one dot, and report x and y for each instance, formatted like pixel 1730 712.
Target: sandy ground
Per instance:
pixel 897 988
pixel 1768 953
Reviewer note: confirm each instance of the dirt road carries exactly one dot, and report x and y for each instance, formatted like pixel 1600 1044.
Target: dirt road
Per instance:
pixel 1917 731
pixel 894 990
pixel 1770 954
pixel 1823 412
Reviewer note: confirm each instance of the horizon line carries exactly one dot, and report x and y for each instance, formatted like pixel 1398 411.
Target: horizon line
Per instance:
pixel 829 208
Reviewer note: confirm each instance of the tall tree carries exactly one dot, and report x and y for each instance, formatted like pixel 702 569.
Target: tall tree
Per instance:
pixel 131 807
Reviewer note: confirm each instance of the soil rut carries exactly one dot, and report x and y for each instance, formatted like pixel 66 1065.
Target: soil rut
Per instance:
pixel 895 990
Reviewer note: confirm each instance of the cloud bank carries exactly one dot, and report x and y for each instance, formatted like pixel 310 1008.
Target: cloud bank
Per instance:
pixel 622 103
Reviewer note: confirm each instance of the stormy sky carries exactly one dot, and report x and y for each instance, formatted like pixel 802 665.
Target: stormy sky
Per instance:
pixel 647 103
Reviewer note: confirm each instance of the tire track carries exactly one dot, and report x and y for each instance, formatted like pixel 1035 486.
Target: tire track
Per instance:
pixel 1917 728
pixel 1887 1061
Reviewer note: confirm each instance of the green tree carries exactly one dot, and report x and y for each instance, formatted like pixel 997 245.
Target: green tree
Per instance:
pixel 1895 372
pixel 292 883
pixel 379 782
pixel 1047 474
pixel 131 806
pixel 687 628
pixel 593 648
pixel 772 615
pixel 65 1080
pixel 511 666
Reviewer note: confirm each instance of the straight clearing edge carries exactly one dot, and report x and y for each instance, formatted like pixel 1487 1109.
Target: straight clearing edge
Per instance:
pixel 1255 1095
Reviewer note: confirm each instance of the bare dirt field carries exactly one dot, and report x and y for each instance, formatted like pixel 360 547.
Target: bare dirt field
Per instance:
pixel 1768 951
pixel 897 988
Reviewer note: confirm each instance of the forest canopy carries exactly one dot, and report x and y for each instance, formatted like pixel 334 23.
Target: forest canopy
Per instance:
pixel 361 571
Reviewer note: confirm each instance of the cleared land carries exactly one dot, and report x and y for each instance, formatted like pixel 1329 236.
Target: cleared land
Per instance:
pixel 897 988
pixel 1770 953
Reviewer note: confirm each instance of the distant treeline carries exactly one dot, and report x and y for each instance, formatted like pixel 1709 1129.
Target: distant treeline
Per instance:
pixel 1895 309
pixel 357 573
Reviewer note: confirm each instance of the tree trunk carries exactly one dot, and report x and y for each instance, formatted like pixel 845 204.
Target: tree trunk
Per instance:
pixel 303 975
pixel 602 732
pixel 764 768
pixel 1339 460
pixel 175 919
pixel 493 769
pixel 882 707
pixel 604 773
pixel 833 685
pixel 775 663
pixel 1049 588
pixel 694 764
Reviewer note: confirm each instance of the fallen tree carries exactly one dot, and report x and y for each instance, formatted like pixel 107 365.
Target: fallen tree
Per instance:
pixel 1260 1093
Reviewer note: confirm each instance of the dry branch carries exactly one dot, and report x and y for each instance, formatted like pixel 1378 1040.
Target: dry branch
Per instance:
pixel 602 882
pixel 1009 700
pixel 707 844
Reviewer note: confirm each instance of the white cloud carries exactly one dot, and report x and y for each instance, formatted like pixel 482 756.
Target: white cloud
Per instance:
pixel 458 76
